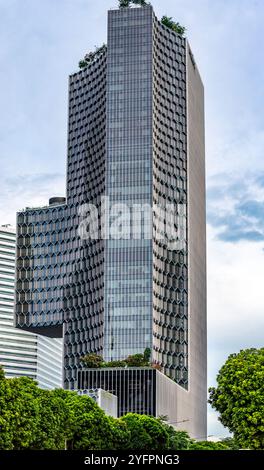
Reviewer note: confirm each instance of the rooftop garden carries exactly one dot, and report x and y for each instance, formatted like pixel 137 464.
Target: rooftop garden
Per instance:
pixel 94 361
pixel 165 20
pixel 176 27
pixel 127 3
pixel 89 58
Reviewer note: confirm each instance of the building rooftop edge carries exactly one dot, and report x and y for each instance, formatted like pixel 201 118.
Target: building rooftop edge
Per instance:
pixel 87 369
pixel 7 228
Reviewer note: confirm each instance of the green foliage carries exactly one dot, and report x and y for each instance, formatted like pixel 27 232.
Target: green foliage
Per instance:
pixel 137 360
pixel 176 27
pixel 142 3
pixel 178 440
pixel 127 3
pixel 83 64
pixel 18 413
pixel 92 361
pixel 239 397
pixel 89 58
pixel 53 421
pixel 119 437
pixel 147 355
pixel 89 427
pixel 231 443
pixel 36 419
pixel 2 374
pixel 208 445
pixel 114 364
pixel 124 3
pixel 147 433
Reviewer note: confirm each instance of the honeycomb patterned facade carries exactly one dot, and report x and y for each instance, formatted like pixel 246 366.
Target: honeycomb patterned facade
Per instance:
pixel 128 140
pixel 170 267
pixel 60 279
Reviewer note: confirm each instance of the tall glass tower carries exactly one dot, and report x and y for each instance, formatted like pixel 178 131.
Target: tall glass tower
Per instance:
pixel 135 139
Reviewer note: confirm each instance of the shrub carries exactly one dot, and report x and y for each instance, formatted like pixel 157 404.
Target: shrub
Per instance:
pixel 92 361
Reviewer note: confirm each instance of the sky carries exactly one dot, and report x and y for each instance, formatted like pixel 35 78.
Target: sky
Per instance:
pixel 41 43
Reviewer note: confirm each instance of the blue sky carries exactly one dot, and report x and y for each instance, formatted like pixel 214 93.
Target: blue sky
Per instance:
pixel 41 42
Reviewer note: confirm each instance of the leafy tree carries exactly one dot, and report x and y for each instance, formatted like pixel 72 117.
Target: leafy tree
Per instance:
pixel 18 413
pixel 239 397
pixel 231 443
pixel 6 433
pixel 135 360
pixel 119 435
pixel 147 355
pixel 208 445
pixel 83 64
pixel 53 422
pixel 178 440
pixel 124 3
pixel 92 361
pixel 176 27
pixel 127 3
pixel 88 426
pixel 147 433
pixel 143 3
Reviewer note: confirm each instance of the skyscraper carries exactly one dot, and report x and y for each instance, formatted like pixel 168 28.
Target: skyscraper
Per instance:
pixel 135 140
pixel 23 353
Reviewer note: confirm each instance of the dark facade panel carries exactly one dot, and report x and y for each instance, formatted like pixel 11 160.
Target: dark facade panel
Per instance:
pixel 135 388
pixel 42 266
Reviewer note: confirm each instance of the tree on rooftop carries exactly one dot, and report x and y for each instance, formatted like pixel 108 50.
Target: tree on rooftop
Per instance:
pixel 124 3
pixel 139 2
pixel 136 360
pixel 147 355
pixel 127 3
pixel 176 27
pixel 92 360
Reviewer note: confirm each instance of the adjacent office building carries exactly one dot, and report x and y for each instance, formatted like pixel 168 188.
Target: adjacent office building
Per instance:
pixel 23 353
pixel 135 137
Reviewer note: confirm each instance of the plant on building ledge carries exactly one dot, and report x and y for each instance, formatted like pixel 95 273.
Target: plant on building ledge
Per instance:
pixel 127 3
pixel 137 360
pixel 124 3
pixel 94 361
pixel 176 27
pixel 89 58
pixel 142 3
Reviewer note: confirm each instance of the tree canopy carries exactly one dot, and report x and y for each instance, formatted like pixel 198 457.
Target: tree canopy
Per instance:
pixel 36 419
pixel 147 433
pixel 239 397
